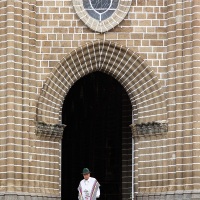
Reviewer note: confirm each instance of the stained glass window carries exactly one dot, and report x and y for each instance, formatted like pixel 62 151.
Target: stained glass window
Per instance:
pixel 102 15
pixel 100 9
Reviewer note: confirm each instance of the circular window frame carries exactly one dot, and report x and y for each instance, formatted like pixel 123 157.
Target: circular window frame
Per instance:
pixel 107 24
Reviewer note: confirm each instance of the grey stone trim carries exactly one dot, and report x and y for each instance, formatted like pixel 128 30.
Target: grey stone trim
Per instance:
pixel 177 195
pixel 150 128
pixel 13 196
pixel 50 131
pixel 105 25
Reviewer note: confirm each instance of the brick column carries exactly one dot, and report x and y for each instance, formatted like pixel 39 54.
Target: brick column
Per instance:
pixel 196 92
pixel 18 93
pixel 179 96
pixel 10 99
pixel 3 94
pixel 183 97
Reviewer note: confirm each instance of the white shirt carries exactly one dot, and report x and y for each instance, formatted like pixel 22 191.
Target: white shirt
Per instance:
pixel 87 187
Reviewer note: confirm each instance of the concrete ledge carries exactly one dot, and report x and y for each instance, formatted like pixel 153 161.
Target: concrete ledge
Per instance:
pixel 178 195
pixel 12 196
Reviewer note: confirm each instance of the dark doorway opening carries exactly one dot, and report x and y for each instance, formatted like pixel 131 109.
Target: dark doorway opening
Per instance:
pixel 93 112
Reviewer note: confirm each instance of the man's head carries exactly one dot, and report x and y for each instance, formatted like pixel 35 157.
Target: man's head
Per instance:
pixel 86 173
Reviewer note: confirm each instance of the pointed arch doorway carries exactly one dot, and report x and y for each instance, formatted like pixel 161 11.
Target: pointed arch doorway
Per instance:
pixel 97 111
pixel 138 80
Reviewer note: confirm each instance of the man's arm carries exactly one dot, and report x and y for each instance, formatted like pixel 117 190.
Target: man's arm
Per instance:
pixel 80 192
pixel 98 193
pixel 79 196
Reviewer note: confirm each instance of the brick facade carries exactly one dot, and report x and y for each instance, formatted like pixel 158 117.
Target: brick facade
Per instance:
pixel 154 54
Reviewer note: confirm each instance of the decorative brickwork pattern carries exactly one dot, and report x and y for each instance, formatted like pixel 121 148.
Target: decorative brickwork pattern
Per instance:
pixel 151 128
pixel 49 131
pixel 60 30
pixel 124 65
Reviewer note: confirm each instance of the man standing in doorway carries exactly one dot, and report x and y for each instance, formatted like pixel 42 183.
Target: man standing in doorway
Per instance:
pixel 88 188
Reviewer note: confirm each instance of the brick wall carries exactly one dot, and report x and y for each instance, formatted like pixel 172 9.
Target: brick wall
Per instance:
pixel 143 30
pixel 35 35
pixel 60 31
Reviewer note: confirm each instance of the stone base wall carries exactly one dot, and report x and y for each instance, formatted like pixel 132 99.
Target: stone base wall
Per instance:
pixel 178 195
pixel 27 197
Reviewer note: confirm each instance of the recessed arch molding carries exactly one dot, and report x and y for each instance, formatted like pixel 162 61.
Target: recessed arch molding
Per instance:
pixel 126 66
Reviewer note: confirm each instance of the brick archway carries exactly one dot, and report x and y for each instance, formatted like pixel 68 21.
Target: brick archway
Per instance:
pixel 126 66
